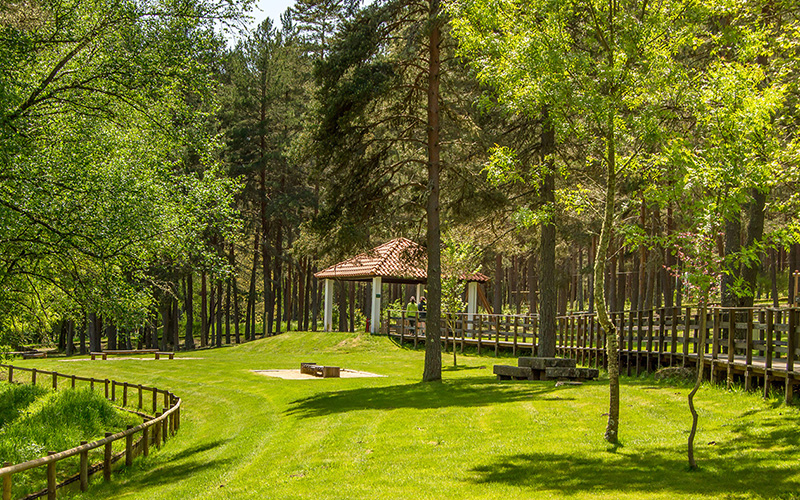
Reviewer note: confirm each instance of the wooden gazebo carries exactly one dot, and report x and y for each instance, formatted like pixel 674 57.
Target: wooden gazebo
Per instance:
pixel 397 261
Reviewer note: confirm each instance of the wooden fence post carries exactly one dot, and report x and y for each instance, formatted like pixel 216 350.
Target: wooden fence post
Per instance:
pixel 7 484
pixel 157 432
pixel 84 468
pixel 107 460
pixel 146 441
pixel 129 448
pixel 791 345
pixel 748 345
pixel 33 377
pixel 731 346
pixel 769 347
pixel 51 478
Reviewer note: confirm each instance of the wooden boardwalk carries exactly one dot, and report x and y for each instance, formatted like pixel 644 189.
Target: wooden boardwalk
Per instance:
pixel 756 347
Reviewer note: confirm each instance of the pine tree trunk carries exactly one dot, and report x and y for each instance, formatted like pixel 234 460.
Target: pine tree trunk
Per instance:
pixel 733 244
pixel 235 285
pixel 315 301
pixel 532 302
pixel 111 334
pixel 497 286
pixel 188 340
pixel 70 341
pixel 548 285
pixel 755 233
pixel 228 313
pixel 433 344
pixel 203 310
pixel 219 313
pixel 278 288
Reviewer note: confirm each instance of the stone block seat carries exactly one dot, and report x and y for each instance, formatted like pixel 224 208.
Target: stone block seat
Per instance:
pixel 534 368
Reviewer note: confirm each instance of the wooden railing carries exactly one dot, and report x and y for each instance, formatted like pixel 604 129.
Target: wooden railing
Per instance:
pixel 742 343
pixel 153 432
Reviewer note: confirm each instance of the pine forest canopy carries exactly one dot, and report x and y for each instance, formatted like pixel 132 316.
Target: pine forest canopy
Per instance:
pixel 159 186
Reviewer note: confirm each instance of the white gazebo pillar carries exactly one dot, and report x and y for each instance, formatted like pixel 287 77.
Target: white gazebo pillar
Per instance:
pixel 328 316
pixel 419 292
pixel 375 319
pixel 472 301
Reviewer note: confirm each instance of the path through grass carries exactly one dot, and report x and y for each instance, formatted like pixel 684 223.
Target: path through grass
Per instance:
pixel 247 436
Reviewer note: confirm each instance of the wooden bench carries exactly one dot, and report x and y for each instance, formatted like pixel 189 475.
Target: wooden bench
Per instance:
pixel 32 355
pixel 117 352
pixel 320 371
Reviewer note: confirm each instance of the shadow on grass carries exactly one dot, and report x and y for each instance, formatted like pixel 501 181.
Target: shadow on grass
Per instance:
pixel 476 391
pixel 721 473
pixel 460 368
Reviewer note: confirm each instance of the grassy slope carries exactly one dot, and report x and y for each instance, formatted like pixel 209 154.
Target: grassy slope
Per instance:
pixel 246 436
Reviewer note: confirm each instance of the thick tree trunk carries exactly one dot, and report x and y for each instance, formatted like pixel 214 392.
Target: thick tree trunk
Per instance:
pixel 219 313
pixel 91 329
pixel 228 313
pixel 497 286
pixel 166 321
pixel 532 299
pixel 733 245
pixel 111 334
pixel 548 285
pixel 315 301
pixel 176 314
pixel 278 288
pixel 433 345
pixel 203 309
pixel 70 340
pixel 250 333
pixel 755 233
pixel 188 340
pixel 235 285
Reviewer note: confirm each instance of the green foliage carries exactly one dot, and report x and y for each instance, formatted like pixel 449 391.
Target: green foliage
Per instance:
pixel 108 154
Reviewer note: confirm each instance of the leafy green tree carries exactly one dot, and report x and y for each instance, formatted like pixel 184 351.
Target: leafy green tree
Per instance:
pixel 602 70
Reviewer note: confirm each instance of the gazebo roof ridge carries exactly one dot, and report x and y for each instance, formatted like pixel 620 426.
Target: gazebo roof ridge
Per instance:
pixel 393 260
pixel 399 260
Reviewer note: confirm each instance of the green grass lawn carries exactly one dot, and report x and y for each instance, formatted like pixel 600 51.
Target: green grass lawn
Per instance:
pixel 247 436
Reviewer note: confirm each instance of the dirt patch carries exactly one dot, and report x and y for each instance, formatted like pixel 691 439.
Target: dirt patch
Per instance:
pixel 296 375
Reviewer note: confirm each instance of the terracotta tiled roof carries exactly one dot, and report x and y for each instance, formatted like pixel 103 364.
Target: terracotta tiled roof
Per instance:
pixel 400 258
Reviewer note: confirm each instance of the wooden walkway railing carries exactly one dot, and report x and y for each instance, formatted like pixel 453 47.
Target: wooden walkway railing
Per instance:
pixel 153 432
pixel 748 345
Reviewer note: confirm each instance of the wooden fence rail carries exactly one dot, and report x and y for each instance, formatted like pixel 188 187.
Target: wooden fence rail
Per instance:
pixel 748 345
pixel 153 432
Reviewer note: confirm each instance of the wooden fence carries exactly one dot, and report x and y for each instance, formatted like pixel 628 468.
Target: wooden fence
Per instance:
pixel 153 432
pixel 751 345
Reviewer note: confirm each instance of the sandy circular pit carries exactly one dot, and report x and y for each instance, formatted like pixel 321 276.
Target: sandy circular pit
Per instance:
pixel 296 375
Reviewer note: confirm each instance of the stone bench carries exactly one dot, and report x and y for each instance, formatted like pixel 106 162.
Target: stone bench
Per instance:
pixel 539 366
pixel 531 368
pixel 319 370
pixel 505 372
pixel 568 373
